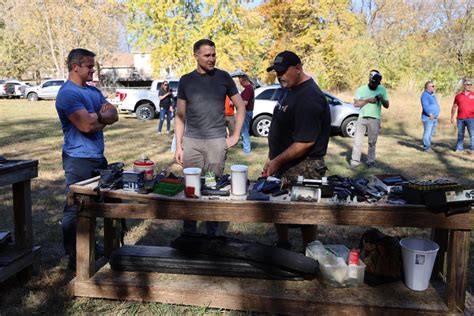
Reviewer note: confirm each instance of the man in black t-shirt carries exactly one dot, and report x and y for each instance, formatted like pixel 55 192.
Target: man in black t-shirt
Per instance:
pixel 200 108
pixel 299 133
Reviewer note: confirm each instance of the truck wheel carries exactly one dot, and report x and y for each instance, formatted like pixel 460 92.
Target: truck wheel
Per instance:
pixel 348 126
pixel 145 112
pixel 33 97
pixel 261 125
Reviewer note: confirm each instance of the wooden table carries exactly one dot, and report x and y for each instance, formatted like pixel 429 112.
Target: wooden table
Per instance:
pixel 265 295
pixel 19 257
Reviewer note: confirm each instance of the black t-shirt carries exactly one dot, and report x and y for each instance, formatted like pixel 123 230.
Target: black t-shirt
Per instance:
pixel 205 100
pixel 301 115
pixel 166 102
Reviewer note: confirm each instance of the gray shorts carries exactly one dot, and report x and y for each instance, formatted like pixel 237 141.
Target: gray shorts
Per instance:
pixel 207 154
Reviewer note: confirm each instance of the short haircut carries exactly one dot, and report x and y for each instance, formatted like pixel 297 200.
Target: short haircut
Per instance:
pixel 76 56
pixel 202 42
pixel 428 83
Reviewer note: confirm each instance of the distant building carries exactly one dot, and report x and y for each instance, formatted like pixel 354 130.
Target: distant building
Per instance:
pixel 125 67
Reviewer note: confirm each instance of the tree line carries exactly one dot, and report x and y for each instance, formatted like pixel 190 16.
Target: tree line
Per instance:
pixel 409 41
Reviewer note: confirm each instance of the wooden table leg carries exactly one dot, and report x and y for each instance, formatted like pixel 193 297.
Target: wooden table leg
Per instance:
pixel 111 236
pixel 22 215
pixel 440 236
pixel 85 247
pixel 458 256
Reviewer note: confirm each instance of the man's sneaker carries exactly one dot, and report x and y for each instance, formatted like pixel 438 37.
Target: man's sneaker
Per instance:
pixel 159 133
pixel 284 244
pixel 428 150
pixel 167 132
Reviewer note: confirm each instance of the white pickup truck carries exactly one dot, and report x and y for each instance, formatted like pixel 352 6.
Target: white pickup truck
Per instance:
pixel 143 102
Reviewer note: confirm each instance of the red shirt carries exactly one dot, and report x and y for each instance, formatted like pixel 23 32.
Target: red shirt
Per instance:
pixel 248 95
pixel 465 102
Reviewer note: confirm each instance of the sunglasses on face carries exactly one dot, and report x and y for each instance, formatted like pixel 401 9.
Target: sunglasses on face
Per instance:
pixel 468 84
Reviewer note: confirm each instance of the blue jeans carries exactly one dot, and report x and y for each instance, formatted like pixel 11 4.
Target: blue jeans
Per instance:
pixel 76 170
pixel 246 132
pixel 164 112
pixel 469 123
pixel 429 129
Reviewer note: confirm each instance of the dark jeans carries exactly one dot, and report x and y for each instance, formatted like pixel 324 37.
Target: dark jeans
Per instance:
pixel 76 170
pixel 164 112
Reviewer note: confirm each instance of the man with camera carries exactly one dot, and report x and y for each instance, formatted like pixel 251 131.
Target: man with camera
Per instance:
pixel 370 98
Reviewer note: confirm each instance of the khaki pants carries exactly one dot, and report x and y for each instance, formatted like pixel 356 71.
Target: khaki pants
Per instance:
pixel 209 155
pixel 368 125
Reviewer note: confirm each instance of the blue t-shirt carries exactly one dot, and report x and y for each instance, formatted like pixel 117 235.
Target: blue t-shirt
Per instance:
pixel 429 105
pixel 70 99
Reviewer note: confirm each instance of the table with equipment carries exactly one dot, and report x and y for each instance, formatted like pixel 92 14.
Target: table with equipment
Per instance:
pixel 18 257
pixel 276 296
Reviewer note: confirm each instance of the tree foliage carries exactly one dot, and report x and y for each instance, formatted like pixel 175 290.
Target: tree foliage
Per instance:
pixel 170 28
pixel 40 34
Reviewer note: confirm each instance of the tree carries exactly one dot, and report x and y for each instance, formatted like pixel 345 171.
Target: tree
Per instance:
pixel 44 31
pixel 170 28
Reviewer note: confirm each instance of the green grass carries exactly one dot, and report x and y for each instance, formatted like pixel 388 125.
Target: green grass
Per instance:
pixel 31 130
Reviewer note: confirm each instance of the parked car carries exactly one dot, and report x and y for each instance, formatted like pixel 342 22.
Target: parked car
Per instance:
pixel 343 114
pixel 15 88
pixel 46 90
pixel 3 88
pixel 144 103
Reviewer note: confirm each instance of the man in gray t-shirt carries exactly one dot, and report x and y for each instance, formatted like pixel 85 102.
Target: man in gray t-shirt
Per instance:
pixel 200 108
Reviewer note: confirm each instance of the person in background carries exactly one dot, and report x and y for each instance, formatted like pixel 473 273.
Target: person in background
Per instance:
pixel 464 106
pixel 200 125
pixel 229 115
pixel 84 114
pixel 429 114
pixel 370 98
pixel 248 95
pixel 299 133
pixel 166 95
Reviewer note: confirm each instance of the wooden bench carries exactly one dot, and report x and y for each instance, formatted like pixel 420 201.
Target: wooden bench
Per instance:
pixel 295 297
pixel 18 258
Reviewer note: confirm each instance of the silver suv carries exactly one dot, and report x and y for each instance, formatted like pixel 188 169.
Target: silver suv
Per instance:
pixel 343 114
pixel 46 90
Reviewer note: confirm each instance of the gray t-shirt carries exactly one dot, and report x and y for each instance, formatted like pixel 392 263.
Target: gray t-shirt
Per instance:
pixel 205 98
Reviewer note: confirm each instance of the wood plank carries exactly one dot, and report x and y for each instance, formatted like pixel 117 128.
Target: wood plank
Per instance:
pixel 111 236
pixel 17 171
pixel 19 262
pixel 440 236
pixel 274 296
pixel 22 214
pixel 85 247
pixel 458 262
pixel 283 213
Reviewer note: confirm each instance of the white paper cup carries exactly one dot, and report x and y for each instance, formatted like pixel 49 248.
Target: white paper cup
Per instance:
pixel 192 179
pixel 238 179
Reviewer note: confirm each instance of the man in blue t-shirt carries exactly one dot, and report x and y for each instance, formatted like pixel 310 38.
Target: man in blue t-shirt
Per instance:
pixel 429 114
pixel 200 124
pixel 84 113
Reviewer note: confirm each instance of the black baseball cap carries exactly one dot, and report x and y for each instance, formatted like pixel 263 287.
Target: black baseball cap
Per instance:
pixel 284 60
pixel 375 76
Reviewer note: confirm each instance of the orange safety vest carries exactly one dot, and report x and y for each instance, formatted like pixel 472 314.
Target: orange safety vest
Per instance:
pixel 229 107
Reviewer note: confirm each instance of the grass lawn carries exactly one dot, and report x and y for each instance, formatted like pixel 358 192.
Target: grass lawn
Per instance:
pixel 31 130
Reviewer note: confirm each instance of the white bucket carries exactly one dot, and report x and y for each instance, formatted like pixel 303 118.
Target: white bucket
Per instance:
pixel 192 179
pixel 418 257
pixel 238 179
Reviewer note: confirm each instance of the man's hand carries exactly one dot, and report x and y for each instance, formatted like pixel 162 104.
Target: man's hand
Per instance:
pixel 452 120
pixel 106 106
pixel 178 155
pixel 108 113
pixel 271 167
pixel 431 116
pixel 232 140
